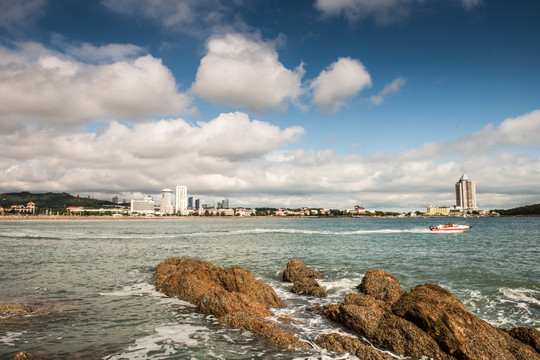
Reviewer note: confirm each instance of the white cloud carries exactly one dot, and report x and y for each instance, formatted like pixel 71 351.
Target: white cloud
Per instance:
pixel 250 161
pixel 388 89
pixel 471 4
pixel 37 84
pixel 245 71
pixel 343 80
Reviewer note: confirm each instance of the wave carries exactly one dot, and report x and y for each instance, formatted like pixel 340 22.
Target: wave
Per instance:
pixel 308 232
pixel 521 295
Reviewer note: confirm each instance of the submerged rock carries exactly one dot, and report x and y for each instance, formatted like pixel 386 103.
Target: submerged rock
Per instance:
pixel 21 355
pixel 10 310
pixel 233 294
pixel 460 333
pixel 345 344
pixel 303 279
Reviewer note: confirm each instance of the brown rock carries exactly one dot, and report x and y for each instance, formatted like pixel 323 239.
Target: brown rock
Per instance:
pixel 527 335
pixel 21 355
pixel 346 344
pixel 234 295
pixel 308 286
pixel 369 318
pixel 381 285
pixel 9 309
pixel 458 332
pixel 297 270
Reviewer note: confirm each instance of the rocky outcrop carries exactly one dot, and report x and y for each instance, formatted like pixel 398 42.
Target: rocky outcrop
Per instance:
pixel 303 279
pixel 233 295
pixel 346 344
pixel 381 285
pixel 460 333
pixel 369 318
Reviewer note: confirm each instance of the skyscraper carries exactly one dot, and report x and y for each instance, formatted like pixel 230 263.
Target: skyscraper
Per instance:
pixel 180 198
pixel 166 205
pixel 190 202
pixel 466 194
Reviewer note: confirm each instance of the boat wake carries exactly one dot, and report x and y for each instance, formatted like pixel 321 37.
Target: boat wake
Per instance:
pixel 308 232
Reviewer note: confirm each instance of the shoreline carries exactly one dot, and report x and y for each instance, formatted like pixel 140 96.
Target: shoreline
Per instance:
pixel 92 217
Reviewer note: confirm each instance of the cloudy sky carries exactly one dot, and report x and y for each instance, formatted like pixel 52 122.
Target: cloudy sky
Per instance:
pixel 322 103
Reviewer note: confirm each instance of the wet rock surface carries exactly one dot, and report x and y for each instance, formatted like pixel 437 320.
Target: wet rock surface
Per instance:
pixel 303 279
pixel 425 322
pixel 460 333
pixel 233 294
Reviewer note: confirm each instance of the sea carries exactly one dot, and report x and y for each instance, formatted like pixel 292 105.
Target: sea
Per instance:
pixel 91 280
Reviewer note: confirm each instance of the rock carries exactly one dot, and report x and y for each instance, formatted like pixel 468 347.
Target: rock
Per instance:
pixel 527 335
pixel 381 285
pixel 308 286
pixel 369 318
pixel 458 332
pixel 9 310
pixel 233 295
pixel 346 344
pixel 297 270
pixel 21 355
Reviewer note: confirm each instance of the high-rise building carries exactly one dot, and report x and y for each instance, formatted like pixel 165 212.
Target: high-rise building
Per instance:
pixel 115 199
pixel 225 204
pixel 180 198
pixel 466 194
pixel 198 204
pixel 166 205
pixel 190 202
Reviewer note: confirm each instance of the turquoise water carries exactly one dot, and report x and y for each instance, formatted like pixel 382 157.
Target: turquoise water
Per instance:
pixel 92 278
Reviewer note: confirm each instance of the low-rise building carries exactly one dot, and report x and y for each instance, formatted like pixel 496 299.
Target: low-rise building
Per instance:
pixel 145 206
pixel 438 210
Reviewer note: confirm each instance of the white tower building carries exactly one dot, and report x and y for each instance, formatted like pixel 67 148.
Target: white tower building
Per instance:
pixel 466 194
pixel 181 198
pixel 166 206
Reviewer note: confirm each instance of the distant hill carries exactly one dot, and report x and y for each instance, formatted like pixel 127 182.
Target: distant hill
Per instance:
pixel 529 210
pixel 52 201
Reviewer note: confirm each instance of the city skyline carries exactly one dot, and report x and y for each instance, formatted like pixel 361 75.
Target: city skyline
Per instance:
pixel 307 103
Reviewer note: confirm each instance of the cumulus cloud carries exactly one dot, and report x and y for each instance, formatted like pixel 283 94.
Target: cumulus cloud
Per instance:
pixel 388 89
pixel 244 71
pixel 256 165
pixel 343 80
pixel 40 85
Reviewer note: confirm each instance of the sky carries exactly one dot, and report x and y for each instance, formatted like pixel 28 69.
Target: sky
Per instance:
pixel 318 103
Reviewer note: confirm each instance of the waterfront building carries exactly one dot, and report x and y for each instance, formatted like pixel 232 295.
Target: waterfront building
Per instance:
pixel 438 210
pixel 145 206
pixel 115 199
pixel 197 204
pixel 190 202
pixel 180 198
pixel 166 205
pixel 466 194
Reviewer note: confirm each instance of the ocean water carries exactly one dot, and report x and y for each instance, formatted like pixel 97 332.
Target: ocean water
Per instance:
pixel 91 279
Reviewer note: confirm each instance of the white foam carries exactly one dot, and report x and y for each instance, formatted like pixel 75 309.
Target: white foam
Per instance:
pixel 521 295
pixel 163 341
pixel 10 338
pixel 307 232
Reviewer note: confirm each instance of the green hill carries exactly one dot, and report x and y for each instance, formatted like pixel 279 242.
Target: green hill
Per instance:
pixel 528 210
pixel 51 201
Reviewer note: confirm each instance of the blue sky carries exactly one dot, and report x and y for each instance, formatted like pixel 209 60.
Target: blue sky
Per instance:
pixel 273 103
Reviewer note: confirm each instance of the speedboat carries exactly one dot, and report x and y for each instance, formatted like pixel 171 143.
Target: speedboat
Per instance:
pixel 450 227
